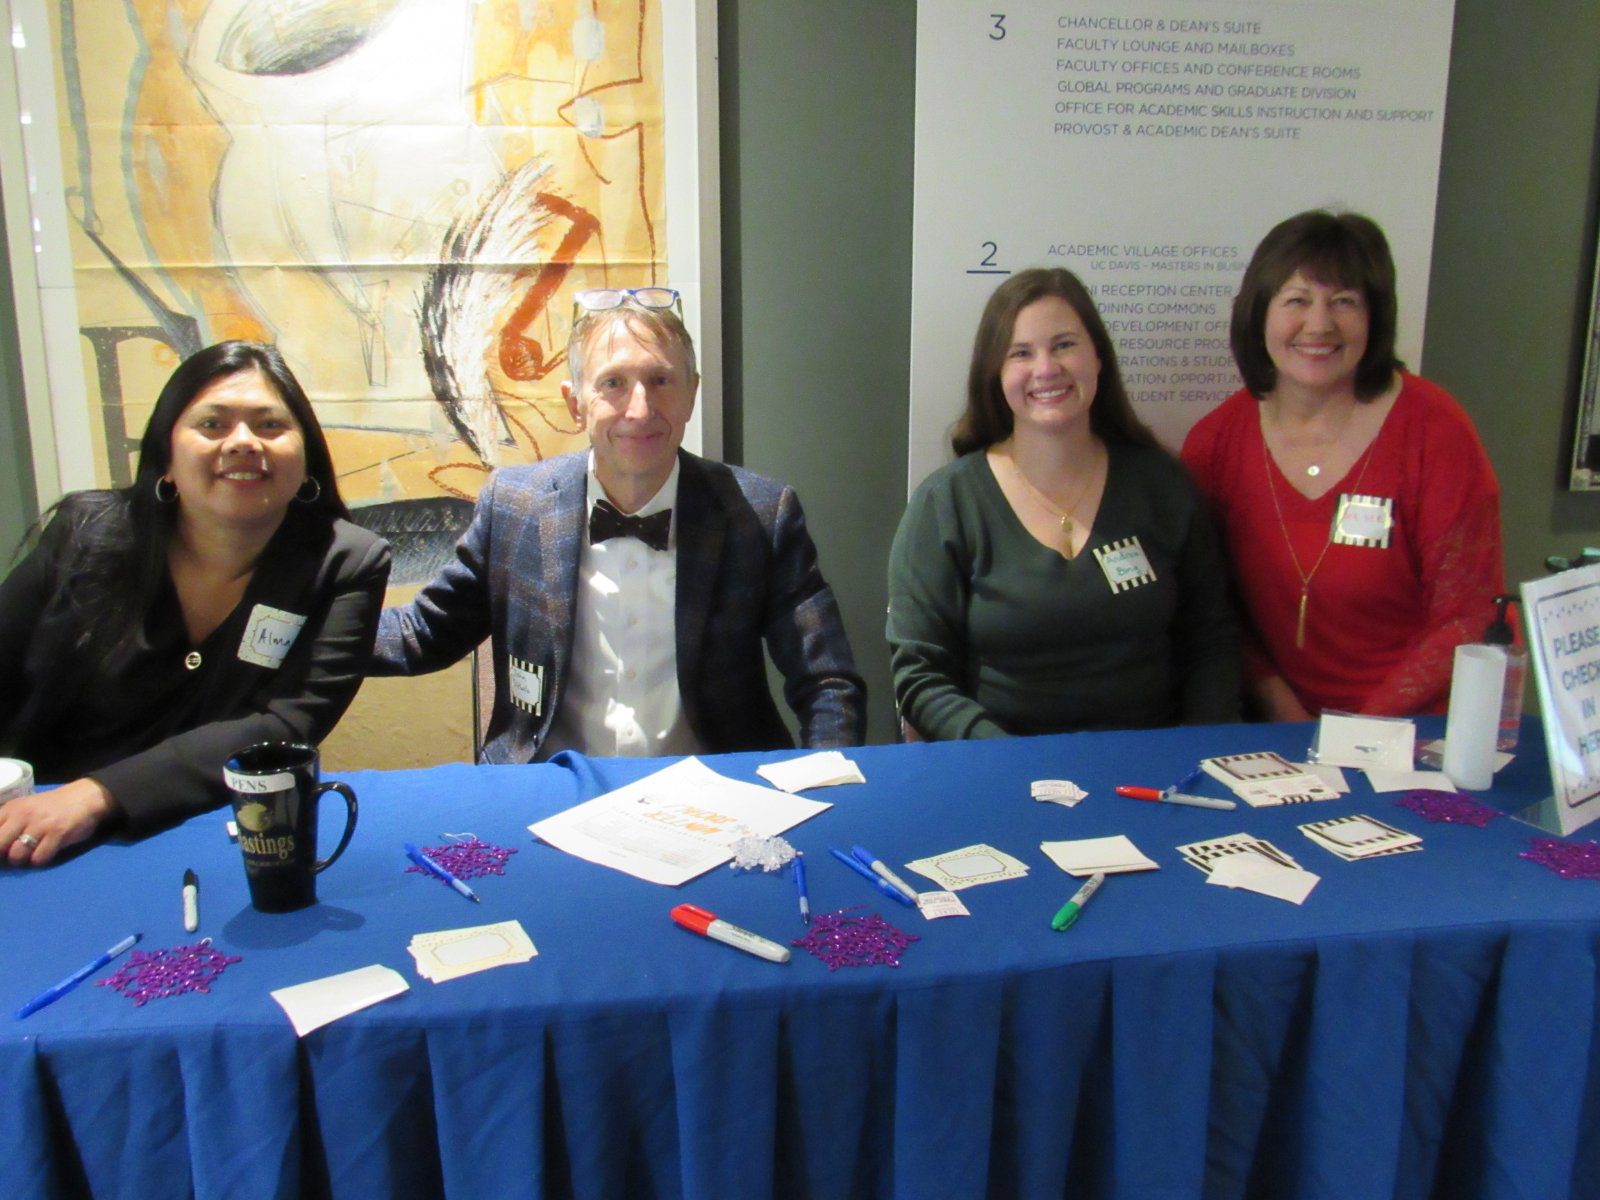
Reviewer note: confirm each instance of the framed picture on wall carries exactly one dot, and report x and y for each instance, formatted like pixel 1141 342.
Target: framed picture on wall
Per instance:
pixel 403 195
pixel 1586 436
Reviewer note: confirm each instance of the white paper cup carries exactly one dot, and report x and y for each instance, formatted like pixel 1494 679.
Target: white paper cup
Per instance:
pixel 16 779
pixel 1476 688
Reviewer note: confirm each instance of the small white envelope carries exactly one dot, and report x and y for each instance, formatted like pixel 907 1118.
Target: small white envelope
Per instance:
pixel 1346 740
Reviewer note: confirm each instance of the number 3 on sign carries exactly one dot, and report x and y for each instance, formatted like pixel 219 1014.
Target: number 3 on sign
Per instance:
pixel 999 31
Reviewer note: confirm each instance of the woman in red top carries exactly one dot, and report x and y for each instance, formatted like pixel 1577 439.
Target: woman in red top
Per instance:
pixel 1358 506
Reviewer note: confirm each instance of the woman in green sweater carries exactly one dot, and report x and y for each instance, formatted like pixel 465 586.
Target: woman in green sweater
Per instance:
pixel 1061 573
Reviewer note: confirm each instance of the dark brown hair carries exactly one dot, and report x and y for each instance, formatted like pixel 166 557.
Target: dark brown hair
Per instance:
pixel 1342 250
pixel 121 537
pixel 987 418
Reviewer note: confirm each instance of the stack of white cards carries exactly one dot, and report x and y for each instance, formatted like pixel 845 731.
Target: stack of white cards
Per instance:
pixel 1242 860
pixel 1098 856
pixel 1057 791
pixel 452 953
pixel 825 768
pixel 1264 779
pixel 1358 837
pixel 968 867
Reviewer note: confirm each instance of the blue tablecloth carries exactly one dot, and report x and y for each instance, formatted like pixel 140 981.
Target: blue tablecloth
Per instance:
pixel 1424 1025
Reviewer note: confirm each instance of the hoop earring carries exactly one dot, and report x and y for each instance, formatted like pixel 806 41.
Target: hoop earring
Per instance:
pixel 316 491
pixel 163 497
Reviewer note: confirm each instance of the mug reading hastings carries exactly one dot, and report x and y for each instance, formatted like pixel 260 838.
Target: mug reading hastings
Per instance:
pixel 275 789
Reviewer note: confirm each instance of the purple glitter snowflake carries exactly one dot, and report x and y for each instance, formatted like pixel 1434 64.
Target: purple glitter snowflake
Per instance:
pixel 1570 860
pixel 1456 807
pixel 844 941
pixel 467 860
pixel 159 974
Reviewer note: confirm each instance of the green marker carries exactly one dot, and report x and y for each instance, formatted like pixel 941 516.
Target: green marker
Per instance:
pixel 1070 910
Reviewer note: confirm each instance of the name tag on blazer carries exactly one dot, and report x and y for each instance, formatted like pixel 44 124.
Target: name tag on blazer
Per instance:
pixel 527 685
pixel 1124 564
pixel 268 636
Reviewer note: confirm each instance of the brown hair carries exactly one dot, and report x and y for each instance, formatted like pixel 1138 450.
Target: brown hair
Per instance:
pixel 1343 250
pixel 987 418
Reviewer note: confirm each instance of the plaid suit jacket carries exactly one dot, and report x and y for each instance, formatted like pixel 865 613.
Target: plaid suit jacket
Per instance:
pixel 747 574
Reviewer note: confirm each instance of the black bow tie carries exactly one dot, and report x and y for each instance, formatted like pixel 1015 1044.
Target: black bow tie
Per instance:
pixel 606 522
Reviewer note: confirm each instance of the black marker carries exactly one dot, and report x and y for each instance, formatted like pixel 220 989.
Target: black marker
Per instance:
pixel 191 902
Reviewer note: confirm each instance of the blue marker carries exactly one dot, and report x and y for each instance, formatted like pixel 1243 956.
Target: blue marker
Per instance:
pixel 887 888
pixel 798 867
pixel 433 868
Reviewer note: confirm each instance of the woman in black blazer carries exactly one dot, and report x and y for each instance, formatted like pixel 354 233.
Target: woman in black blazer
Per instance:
pixel 223 598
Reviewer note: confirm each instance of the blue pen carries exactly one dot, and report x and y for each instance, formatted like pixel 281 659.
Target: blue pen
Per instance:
pixel 51 995
pixel 798 867
pixel 879 868
pixel 866 873
pixel 433 868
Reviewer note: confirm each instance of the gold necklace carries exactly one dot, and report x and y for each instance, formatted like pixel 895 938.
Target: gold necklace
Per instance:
pixel 1315 469
pixel 1064 515
pixel 1277 507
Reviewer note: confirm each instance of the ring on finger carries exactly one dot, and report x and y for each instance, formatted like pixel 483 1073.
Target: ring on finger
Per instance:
pixel 28 840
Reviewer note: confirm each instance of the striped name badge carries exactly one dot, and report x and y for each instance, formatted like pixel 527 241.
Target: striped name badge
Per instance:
pixel 1363 521
pixel 527 685
pixel 1124 564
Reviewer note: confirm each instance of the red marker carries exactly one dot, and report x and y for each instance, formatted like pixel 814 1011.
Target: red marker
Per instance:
pixel 1168 796
pixel 1138 793
pixel 707 924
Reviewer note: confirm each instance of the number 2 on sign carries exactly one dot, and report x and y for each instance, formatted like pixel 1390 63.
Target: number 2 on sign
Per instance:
pixel 998 33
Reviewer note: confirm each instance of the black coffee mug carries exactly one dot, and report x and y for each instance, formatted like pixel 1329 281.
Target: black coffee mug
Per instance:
pixel 275 791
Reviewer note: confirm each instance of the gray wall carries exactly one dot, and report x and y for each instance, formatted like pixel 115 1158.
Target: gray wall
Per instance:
pixel 817 111
pixel 1514 250
pixel 817 203
pixel 17 504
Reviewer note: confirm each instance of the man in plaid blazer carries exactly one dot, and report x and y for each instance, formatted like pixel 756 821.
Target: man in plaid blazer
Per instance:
pixel 627 591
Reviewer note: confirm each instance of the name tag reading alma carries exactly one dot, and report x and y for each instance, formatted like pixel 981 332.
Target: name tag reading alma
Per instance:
pixel 268 636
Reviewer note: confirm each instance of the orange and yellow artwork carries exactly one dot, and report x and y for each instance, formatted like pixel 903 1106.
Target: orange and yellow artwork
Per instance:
pixel 403 195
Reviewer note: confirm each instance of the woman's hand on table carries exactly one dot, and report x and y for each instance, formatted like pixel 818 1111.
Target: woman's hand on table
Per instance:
pixel 35 828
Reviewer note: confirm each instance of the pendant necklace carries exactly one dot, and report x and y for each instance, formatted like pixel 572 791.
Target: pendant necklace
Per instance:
pixel 1277 507
pixel 1315 469
pixel 1063 515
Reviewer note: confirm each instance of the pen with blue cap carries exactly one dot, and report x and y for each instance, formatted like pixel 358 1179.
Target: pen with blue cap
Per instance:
pixel 883 885
pixel 798 867
pixel 1191 777
pixel 433 868
pixel 879 868
pixel 51 995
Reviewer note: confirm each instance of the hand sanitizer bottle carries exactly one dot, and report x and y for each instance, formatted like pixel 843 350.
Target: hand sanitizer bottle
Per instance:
pixel 1499 634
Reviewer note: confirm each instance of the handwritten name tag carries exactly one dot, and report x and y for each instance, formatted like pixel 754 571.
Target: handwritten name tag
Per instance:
pixel 1363 520
pixel 269 635
pixel 527 685
pixel 1124 564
